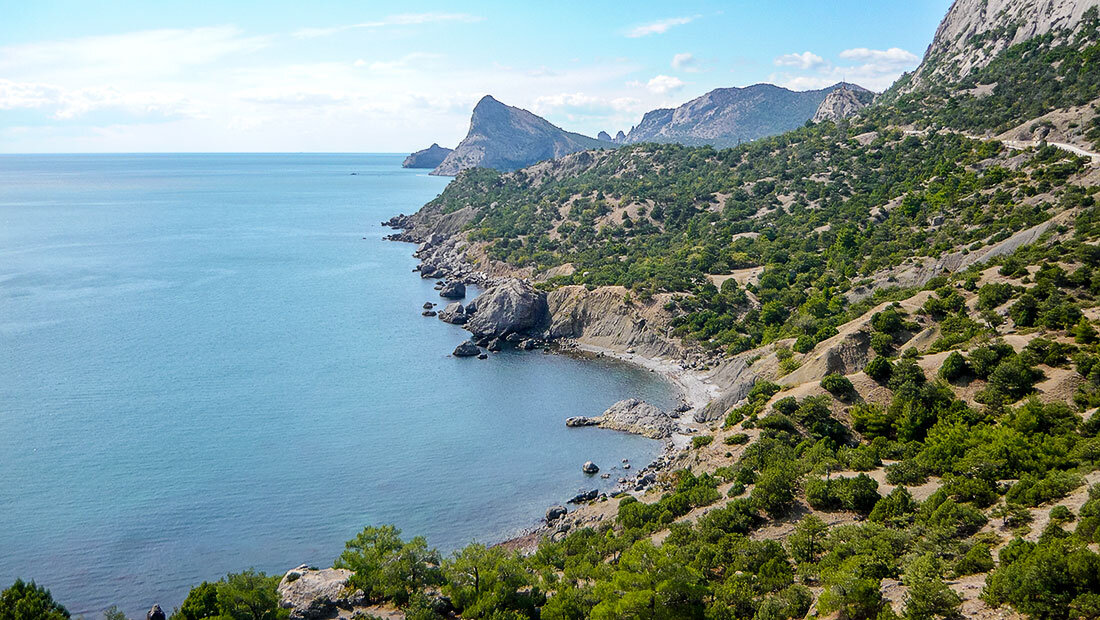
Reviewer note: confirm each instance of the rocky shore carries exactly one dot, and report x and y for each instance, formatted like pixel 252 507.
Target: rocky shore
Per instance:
pixel 578 321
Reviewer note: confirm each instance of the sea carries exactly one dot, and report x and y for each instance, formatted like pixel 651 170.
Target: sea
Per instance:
pixel 214 362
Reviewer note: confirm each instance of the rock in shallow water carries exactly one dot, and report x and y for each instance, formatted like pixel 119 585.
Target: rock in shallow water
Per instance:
pixel 453 290
pixel 466 349
pixel 590 468
pixel 454 313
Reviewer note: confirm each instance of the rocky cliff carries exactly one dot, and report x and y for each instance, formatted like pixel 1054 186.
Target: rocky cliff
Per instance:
pixel 430 157
pixel 727 116
pixel 842 103
pixel 508 138
pixel 974 31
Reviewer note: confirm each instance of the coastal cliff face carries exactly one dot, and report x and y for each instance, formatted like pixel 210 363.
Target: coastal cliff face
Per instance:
pixel 508 138
pixel 727 116
pixel 430 157
pixel 975 31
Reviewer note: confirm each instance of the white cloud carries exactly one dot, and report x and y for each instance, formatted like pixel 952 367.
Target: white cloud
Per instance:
pixel 870 68
pixel 406 19
pixel 892 56
pixel 685 62
pixel 664 84
pixel 659 27
pixel 805 60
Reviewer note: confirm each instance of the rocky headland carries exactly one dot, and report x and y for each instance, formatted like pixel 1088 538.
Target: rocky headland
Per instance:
pixel 430 157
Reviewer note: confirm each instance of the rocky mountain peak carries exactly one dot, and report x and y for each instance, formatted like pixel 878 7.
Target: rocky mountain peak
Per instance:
pixel 506 138
pixel 842 102
pixel 974 31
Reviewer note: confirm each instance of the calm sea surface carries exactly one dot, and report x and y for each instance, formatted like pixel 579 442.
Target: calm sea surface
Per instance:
pixel 205 366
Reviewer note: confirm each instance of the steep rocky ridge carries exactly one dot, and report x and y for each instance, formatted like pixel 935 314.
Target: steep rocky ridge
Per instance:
pixel 974 31
pixel 507 138
pixel 727 116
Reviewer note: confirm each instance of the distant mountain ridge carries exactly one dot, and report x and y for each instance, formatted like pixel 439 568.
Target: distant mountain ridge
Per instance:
pixel 725 117
pixel 508 138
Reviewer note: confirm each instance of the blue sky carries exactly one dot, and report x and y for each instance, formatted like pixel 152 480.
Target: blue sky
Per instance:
pixel 360 75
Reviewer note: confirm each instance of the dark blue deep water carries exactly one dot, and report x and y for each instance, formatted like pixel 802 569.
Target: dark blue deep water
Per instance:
pixel 205 366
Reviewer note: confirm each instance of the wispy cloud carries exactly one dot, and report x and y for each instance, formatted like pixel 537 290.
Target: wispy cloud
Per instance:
pixel 659 27
pixel 405 19
pixel 685 62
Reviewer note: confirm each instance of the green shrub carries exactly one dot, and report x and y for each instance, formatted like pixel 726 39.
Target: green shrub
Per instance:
pixel 879 369
pixel 736 439
pixel 954 367
pixel 977 560
pixel 701 440
pixel 837 384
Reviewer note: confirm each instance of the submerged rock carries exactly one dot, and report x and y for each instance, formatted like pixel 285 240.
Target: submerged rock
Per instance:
pixel 511 307
pixel 466 349
pixel 581 420
pixel 311 594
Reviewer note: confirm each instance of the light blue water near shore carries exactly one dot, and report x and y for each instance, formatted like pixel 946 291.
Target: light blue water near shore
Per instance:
pixel 204 366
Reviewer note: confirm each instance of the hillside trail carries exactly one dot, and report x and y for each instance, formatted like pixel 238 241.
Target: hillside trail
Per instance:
pixel 1019 145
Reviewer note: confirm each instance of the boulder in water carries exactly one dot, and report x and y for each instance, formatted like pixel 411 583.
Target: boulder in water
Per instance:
pixel 453 290
pixel 156 613
pixel 590 468
pixel 454 314
pixel 466 349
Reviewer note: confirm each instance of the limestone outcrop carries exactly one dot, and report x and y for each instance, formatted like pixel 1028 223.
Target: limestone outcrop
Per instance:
pixel 511 307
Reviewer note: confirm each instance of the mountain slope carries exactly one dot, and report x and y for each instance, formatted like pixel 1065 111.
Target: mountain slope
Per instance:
pixel 976 31
pixel 506 138
pixel 727 116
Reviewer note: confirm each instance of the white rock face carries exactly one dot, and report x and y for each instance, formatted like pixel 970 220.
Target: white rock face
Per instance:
pixel 841 103
pixel 310 594
pixel 954 52
pixel 632 416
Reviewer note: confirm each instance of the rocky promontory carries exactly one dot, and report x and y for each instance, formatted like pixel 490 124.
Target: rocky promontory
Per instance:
pixel 508 138
pixel 512 307
pixel 427 158
pixel 632 416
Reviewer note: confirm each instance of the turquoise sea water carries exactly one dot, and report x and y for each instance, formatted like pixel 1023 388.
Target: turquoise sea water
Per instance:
pixel 205 366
